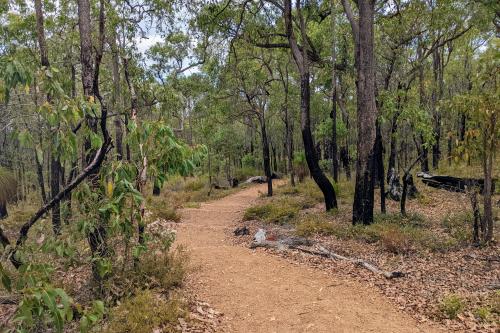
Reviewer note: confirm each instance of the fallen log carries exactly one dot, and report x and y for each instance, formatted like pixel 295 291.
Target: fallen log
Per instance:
pixel 454 184
pixel 280 245
pixel 365 264
pixel 256 179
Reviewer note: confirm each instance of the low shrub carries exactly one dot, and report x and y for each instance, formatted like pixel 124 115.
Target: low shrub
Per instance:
pixel 459 226
pixel 145 312
pixel 451 305
pixel 314 225
pixel 165 270
pixel 195 184
pixel 278 210
pixel 166 213
pixel 244 173
pixel 482 313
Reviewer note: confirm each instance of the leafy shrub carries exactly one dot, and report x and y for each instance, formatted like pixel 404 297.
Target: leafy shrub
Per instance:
pixel 451 305
pixel 144 312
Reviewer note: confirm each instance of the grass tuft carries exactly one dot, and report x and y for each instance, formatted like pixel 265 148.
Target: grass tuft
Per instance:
pixel 451 305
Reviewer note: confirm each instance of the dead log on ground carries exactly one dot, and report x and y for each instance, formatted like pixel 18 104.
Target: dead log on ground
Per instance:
pixel 280 245
pixel 454 184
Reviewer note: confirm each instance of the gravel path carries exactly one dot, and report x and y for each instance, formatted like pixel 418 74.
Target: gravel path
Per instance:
pixel 259 292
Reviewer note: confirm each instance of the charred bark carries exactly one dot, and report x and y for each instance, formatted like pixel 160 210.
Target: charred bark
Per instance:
pixel 265 155
pixel 301 58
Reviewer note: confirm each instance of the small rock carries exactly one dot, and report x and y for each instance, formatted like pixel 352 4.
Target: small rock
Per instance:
pixel 260 236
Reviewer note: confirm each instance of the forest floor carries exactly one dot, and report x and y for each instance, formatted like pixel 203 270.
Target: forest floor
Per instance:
pixel 259 292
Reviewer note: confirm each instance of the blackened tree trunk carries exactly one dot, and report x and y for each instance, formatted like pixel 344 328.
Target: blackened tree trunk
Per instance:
pixel 344 151
pixel 379 165
pixel 54 159
pixel 288 132
pixel 301 59
pixel 265 155
pixel 310 152
pixel 436 96
pixel 55 167
pixel 333 114
pixel 3 210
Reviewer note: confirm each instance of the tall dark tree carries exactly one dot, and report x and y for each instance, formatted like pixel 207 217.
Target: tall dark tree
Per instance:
pixel 301 56
pixel 363 35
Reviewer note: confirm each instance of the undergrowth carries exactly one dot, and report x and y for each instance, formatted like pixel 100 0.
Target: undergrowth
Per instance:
pixel 145 312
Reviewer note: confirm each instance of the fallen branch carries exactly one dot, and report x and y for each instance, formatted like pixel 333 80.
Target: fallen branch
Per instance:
pixel 326 254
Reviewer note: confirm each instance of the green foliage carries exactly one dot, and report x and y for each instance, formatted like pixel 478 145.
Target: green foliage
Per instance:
pixel 451 305
pixel 91 316
pixel 249 161
pixel 41 304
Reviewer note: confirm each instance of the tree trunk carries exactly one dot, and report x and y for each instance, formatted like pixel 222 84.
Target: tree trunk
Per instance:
pixel 436 96
pixel 489 147
pixel 55 167
pixel 54 159
pixel 97 237
pixel 333 114
pixel 117 99
pixel 309 147
pixel 41 182
pixel 366 116
pixel 379 165
pixel 265 155
pixel 3 210
pixel 424 162
pixel 302 62
pixel 288 136
pixel 392 147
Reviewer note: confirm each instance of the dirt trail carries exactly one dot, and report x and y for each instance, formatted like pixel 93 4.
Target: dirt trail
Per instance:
pixel 259 292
